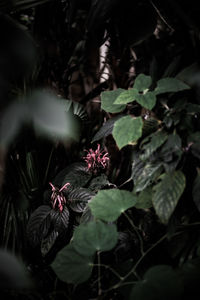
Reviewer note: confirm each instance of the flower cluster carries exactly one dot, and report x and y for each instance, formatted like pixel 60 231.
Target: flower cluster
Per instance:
pixel 96 160
pixel 57 197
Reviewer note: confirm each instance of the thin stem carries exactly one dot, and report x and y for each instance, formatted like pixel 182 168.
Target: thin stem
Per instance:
pixel 48 165
pixel 136 231
pixel 99 273
pixel 109 268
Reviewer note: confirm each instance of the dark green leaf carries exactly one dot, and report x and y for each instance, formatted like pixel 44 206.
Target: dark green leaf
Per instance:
pixel 48 242
pixel 151 143
pixel 127 130
pixel 86 216
pixel 142 82
pixel 106 129
pixel 149 125
pixel 167 193
pixel 160 282
pixel 60 220
pixel 109 204
pixel 144 199
pixel 107 101
pixel 170 85
pixel 94 236
pixel 147 100
pixel 78 199
pixel 71 267
pixel 99 183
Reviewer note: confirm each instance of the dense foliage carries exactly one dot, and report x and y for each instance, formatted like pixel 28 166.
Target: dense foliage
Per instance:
pixel 99 149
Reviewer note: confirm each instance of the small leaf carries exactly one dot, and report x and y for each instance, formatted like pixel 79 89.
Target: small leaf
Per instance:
pixel 108 205
pixel 170 85
pixel 126 96
pixel 71 267
pixel 142 82
pixel 94 236
pixel 99 183
pixel 107 101
pixel 152 142
pixel 167 193
pixel 196 191
pixel 147 100
pixel 127 130
pixel 106 129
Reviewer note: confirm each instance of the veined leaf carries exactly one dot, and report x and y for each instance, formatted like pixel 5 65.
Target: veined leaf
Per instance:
pixel 108 205
pixel 126 96
pixel 149 173
pixel 106 129
pixel 150 125
pixel 48 242
pixel 167 193
pixel 170 85
pixel 144 199
pixel 60 220
pixel 127 130
pixel 107 101
pixel 86 215
pixel 147 100
pixel 71 267
pixel 152 143
pixel 137 165
pixel 78 199
pixel 94 236
pixel 142 82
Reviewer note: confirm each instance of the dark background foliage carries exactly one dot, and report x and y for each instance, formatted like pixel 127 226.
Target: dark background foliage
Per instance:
pixel 76 49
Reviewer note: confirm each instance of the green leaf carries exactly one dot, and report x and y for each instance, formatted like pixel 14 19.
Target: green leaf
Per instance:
pixel 107 101
pixel 108 205
pixel 167 193
pixel 126 96
pixel 94 236
pixel 127 130
pixel 196 191
pixel 170 85
pixel 160 282
pixel 150 125
pixel 144 199
pixel 106 129
pixel 142 82
pixel 99 182
pixel 148 174
pixel 152 143
pixel 71 267
pixel 147 100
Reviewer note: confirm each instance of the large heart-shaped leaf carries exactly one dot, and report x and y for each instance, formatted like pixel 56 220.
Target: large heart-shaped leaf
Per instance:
pixel 108 205
pixel 72 267
pixel 127 130
pixel 167 193
pixel 95 236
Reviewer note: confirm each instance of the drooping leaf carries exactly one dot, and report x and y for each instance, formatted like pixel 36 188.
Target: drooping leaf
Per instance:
pixel 78 199
pixel 144 199
pixel 48 242
pixel 167 193
pixel 196 191
pixel 137 165
pixel 170 85
pixel 142 82
pixel 149 173
pixel 160 282
pixel 72 267
pixel 60 220
pixel 149 125
pixel 147 100
pixel 108 205
pixel 106 129
pixel 94 236
pixel 127 130
pixel 152 143
pixel 107 101
pixel 35 228
pixel 126 97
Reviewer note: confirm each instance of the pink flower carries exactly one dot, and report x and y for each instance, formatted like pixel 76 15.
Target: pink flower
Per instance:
pixel 57 197
pixel 96 160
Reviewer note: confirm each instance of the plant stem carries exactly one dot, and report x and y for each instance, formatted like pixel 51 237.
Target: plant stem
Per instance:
pixel 136 231
pixel 99 273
